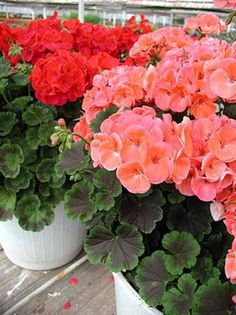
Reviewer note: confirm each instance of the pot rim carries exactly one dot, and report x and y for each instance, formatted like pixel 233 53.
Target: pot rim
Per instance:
pixel 119 276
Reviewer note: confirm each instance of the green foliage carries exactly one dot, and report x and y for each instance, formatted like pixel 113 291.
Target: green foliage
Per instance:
pixel 7 122
pixel 30 187
pixel 178 301
pixel 152 278
pixel 96 123
pixel 11 157
pixel 183 250
pixel 193 217
pixel 118 250
pixel 143 212
pixel 92 18
pixel 79 203
pixel 214 297
pixel 7 204
pixel 204 270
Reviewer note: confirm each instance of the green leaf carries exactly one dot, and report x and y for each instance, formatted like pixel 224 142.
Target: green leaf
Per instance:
pixel 7 204
pixel 30 156
pixel 175 197
pixel 78 202
pixel 195 218
pixel 109 187
pixel 20 79
pixel 44 189
pixel 5 68
pixel 143 212
pixel 214 298
pixel 74 159
pixel 7 122
pixel 44 133
pixel 32 138
pixel 117 251
pixel 183 249
pixel 101 116
pixel 3 85
pixel 45 170
pixel 178 301
pixel 37 114
pixel 152 278
pixel 11 156
pixel 204 270
pixel 19 104
pixel 21 181
pixel 32 216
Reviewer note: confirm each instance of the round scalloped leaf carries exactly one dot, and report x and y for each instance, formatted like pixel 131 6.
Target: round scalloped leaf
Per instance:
pixel 214 298
pixel 195 218
pixel 204 270
pixel 7 204
pixel 143 212
pixel 175 197
pixel 32 216
pixel 74 159
pixel 108 186
pixel 32 138
pixel 37 114
pixel 19 104
pixel 44 133
pixel 11 156
pixel 21 181
pixel 45 170
pixel 152 278
pixel 78 203
pixel 183 250
pixel 7 122
pixel 117 251
pixel 178 301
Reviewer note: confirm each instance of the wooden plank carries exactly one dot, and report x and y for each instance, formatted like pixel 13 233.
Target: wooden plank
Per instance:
pixel 16 283
pixel 93 295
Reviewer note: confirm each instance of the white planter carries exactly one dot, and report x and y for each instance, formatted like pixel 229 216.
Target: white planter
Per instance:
pixel 53 247
pixel 128 301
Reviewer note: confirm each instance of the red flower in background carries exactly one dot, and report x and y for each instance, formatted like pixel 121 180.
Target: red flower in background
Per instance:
pixel 60 77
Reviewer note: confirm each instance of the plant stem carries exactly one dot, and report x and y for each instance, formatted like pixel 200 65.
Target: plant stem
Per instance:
pixel 5 98
pixel 82 138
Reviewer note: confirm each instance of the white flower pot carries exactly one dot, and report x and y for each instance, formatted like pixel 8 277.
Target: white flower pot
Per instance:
pixel 128 301
pixel 53 247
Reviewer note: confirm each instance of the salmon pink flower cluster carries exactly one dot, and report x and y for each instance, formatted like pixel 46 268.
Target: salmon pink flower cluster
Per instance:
pixel 206 24
pixel 225 4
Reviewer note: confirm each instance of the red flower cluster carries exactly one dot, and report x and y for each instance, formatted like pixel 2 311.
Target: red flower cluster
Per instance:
pixel 60 77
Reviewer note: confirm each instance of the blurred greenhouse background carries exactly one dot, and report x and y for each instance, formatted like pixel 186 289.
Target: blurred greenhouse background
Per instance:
pixel 110 12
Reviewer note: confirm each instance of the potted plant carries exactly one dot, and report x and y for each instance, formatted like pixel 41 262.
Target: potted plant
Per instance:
pixel 154 170
pixel 45 69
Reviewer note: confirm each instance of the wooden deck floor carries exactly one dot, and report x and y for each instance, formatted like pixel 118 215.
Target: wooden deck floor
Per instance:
pixel 93 295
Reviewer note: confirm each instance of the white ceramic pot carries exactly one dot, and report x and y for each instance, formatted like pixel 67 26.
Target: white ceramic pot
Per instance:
pixel 53 247
pixel 128 301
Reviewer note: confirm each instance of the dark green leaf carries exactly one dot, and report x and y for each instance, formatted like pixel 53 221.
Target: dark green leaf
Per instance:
pixel 143 212
pixel 32 216
pixel 175 197
pixel 74 159
pixel 44 133
pixel 214 298
pixel 178 301
pixel 96 123
pixel 3 85
pixel 118 251
pixel 152 278
pixel 108 186
pixel 20 79
pixel 19 104
pixel 7 122
pixel 204 270
pixel 11 156
pixel 183 249
pixel 194 218
pixel 45 170
pixel 7 204
pixel 78 202
pixel 21 181
pixel 37 114
pixel 5 68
